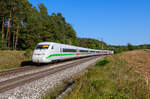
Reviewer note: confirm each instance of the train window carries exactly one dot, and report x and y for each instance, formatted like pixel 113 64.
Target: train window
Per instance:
pixel 69 50
pixel 83 50
pixel 42 47
pixel 92 51
pixel 52 47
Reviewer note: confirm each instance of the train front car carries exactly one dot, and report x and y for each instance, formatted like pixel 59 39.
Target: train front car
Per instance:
pixel 41 52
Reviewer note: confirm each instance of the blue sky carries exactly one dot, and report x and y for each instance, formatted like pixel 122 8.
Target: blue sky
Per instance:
pixel 118 22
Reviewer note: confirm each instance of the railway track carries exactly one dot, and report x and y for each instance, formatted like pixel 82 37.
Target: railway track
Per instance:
pixel 16 70
pixel 27 78
pixel 28 68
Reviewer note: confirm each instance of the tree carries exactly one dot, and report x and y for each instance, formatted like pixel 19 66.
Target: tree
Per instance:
pixel 91 43
pixel 130 47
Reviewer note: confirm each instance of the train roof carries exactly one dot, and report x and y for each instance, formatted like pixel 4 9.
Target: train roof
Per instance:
pixel 70 46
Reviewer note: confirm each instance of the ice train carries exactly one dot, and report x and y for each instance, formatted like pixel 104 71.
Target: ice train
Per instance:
pixel 46 52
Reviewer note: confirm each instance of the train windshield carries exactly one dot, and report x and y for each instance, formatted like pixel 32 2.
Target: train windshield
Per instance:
pixel 42 47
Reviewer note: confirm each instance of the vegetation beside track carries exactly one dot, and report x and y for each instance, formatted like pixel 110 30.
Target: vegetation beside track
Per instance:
pixel 122 76
pixel 13 59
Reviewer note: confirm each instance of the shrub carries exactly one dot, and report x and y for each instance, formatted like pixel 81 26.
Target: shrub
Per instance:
pixel 102 62
pixel 130 47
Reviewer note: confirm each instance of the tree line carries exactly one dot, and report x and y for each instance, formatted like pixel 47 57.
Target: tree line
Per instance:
pixel 128 47
pixel 23 26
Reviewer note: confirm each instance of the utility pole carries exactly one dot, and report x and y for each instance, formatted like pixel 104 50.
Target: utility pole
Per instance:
pixel 102 43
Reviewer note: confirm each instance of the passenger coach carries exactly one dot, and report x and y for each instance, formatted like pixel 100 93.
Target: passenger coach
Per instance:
pixel 46 52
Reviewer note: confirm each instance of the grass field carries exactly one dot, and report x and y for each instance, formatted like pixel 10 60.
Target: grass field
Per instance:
pixel 122 76
pixel 12 59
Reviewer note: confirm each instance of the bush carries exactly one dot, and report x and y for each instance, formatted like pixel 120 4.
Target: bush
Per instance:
pixel 102 62
pixel 130 47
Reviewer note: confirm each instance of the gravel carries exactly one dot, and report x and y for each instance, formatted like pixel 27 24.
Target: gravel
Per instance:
pixel 3 78
pixel 36 89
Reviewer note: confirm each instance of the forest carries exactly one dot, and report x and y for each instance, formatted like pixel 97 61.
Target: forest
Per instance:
pixel 22 26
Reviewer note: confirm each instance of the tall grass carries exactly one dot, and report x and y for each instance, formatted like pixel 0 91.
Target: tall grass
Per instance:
pixel 13 59
pixel 115 80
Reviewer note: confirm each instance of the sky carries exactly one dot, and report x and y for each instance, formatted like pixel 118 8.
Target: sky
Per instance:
pixel 117 22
